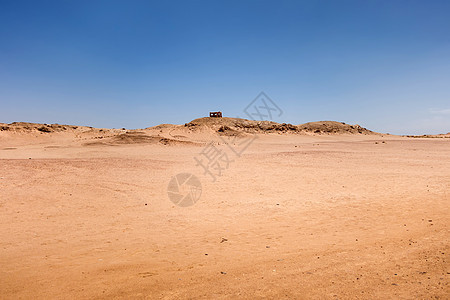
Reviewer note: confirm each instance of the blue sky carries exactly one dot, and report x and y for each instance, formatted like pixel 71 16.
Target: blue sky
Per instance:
pixel 382 64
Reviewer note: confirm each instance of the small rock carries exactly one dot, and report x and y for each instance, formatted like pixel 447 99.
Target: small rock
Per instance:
pixel 223 273
pixel 223 240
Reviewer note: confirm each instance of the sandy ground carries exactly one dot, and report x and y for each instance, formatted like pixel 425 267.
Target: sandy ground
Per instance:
pixel 294 217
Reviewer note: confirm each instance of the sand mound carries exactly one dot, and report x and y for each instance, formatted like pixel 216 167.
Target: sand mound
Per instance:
pixel 136 137
pixel 332 127
pixel 442 135
pixel 196 132
pixel 236 126
pixel 223 126
pixel 36 127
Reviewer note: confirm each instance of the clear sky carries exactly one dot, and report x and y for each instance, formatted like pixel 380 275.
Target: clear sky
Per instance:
pixel 382 64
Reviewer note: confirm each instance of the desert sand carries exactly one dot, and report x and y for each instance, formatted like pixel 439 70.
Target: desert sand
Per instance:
pixel 314 211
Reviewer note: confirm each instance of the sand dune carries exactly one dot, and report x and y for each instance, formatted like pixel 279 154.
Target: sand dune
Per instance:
pixel 169 134
pixel 317 210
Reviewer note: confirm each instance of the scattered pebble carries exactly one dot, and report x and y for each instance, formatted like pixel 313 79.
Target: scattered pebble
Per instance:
pixel 267 246
pixel 223 273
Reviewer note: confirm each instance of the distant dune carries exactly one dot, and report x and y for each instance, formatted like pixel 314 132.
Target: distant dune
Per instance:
pixel 219 125
pixel 442 135
pixel 195 132
pixel 250 126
